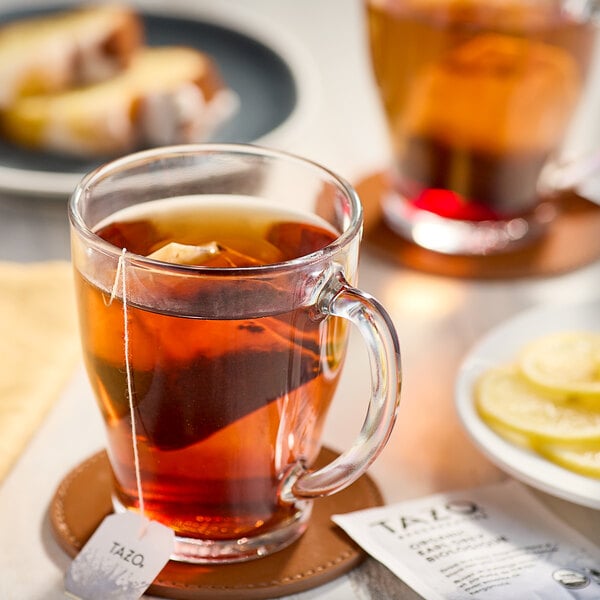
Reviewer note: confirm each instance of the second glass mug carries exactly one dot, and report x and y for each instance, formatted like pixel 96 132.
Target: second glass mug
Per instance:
pixel 479 98
pixel 222 351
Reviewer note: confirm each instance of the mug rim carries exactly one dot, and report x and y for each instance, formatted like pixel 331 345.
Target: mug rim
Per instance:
pixel 83 188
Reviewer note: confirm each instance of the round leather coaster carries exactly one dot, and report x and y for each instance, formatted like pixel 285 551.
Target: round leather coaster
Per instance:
pixel 323 553
pixel 572 241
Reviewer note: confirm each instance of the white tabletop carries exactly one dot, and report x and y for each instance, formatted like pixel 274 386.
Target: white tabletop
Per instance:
pixel 438 320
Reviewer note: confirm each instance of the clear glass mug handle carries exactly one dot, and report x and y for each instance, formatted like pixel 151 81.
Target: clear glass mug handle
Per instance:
pixel 580 174
pixel 377 330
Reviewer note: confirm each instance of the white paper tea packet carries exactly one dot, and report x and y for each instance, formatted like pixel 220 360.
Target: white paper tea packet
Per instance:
pixel 488 543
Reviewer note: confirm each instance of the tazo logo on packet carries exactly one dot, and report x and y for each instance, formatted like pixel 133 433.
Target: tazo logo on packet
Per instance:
pixel 453 510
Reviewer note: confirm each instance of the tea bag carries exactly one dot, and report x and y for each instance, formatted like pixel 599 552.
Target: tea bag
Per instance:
pixel 185 254
pixel 294 241
pixel 486 95
pixel 212 254
pixel 127 551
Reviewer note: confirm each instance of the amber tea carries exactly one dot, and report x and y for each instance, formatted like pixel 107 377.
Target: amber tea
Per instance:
pixel 221 406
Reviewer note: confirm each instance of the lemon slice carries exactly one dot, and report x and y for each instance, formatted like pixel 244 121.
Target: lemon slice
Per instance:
pixel 564 363
pixel 516 438
pixel 504 397
pixel 576 458
pixel 584 462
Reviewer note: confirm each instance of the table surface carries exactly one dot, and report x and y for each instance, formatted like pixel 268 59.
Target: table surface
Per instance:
pixel 438 320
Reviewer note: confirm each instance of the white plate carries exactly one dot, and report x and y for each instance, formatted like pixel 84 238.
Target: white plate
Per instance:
pixel 272 75
pixel 500 346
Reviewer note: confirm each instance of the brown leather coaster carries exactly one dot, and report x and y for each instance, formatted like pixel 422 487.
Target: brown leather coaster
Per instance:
pixel 323 553
pixel 572 241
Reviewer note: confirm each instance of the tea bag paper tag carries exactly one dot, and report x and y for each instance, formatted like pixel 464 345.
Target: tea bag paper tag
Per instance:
pixel 121 559
pixel 488 543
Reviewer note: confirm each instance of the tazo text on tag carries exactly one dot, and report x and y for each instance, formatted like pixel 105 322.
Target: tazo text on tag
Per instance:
pixel 120 560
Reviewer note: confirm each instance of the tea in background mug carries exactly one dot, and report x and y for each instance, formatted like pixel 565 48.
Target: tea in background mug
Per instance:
pixel 215 284
pixel 479 96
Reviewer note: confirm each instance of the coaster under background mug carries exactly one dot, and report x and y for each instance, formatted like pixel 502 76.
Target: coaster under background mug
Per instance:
pixel 571 243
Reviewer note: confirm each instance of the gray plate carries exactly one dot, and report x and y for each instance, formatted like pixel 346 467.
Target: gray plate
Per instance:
pixel 266 83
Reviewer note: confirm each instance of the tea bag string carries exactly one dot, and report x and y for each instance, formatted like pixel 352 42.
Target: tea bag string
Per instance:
pixel 121 276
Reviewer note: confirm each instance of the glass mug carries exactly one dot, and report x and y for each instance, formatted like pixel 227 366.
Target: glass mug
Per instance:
pixel 215 284
pixel 479 96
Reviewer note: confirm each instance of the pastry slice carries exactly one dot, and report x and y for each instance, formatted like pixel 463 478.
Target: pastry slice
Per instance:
pixel 61 50
pixel 167 95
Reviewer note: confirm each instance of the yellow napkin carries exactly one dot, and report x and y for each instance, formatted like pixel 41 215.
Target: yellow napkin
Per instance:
pixel 39 347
